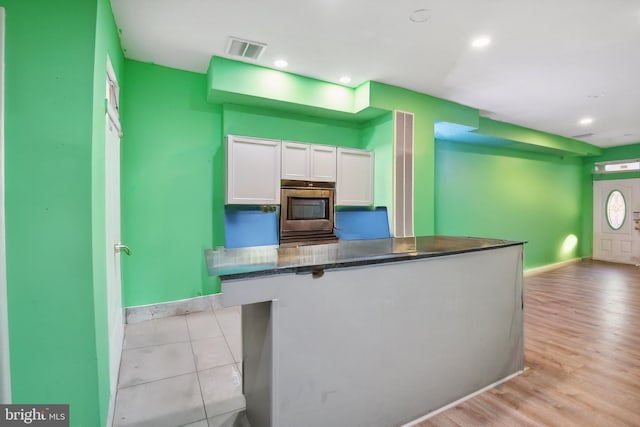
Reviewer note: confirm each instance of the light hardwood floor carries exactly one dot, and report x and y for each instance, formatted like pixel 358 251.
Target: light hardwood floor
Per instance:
pixel 582 348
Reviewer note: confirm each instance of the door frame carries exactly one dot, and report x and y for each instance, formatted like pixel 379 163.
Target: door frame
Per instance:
pixel 5 368
pixel 112 117
pixel 626 233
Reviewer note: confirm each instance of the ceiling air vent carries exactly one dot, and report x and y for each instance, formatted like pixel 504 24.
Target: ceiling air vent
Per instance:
pixel 245 48
pixel 584 135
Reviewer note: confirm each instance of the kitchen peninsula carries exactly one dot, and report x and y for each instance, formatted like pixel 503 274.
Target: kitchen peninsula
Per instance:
pixel 373 333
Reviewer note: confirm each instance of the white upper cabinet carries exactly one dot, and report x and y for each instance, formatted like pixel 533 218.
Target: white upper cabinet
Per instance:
pixel 295 160
pixel 253 171
pixel 255 167
pixel 309 162
pixel 354 186
pixel 323 163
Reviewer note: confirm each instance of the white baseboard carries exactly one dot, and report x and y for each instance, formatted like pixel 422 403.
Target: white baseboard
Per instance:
pixel 459 401
pixel 112 408
pixel 141 313
pixel 550 267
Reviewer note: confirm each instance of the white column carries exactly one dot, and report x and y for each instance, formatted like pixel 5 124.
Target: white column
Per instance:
pixel 5 375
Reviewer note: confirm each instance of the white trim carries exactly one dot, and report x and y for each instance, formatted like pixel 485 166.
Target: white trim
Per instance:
pixel 459 401
pixel 112 408
pixel 142 313
pixel 115 326
pixel 275 361
pixel 113 117
pixel 5 368
pixel 550 267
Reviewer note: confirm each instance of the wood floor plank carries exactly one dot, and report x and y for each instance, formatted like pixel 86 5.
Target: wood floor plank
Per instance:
pixel 582 350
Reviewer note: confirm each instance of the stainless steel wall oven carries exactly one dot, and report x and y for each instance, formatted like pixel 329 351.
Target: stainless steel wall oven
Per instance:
pixel 307 212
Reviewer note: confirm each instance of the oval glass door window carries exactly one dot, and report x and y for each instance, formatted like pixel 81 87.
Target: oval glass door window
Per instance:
pixel 616 209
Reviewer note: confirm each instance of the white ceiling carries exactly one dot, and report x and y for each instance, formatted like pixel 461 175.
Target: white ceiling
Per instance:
pixel 550 63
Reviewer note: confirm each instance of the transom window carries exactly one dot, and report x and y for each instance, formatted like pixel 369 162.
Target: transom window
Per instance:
pixel 617 166
pixel 616 208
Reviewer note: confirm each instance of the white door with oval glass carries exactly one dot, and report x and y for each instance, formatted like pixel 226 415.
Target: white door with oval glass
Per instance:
pixel 615 237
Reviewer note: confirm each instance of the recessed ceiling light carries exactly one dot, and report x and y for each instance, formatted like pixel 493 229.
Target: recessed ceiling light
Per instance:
pixel 345 80
pixel 420 15
pixel 281 63
pixel 480 42
pixel 586 121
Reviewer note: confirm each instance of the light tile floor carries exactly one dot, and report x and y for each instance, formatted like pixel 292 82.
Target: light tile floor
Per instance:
pixel 182 371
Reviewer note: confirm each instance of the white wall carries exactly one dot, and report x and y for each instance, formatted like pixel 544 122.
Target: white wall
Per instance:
pixel 5 379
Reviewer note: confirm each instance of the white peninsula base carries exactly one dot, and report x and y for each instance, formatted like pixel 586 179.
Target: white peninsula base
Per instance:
pixel 380 344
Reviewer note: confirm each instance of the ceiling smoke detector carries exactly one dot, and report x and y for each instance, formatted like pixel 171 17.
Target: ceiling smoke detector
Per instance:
pixel 584 135
pixel 420 15
pixel 245 48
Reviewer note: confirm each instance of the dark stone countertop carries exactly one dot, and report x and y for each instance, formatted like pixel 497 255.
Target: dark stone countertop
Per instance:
pixel 267 260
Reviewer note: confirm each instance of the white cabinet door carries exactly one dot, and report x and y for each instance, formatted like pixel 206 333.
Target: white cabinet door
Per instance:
pixel 253 171
pixel 354 185
pixel 323 163
pixel 295 160
pixel 308 162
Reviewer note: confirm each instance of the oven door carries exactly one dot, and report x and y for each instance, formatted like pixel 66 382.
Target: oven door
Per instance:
pixel 306 211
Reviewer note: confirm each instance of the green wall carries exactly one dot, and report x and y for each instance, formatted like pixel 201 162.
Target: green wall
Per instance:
pixel 241 82
pixel 375 136
pixel 538 139
pixel 173 169
pixel 173 181
pixel 268 123
pixel 55 268
pixel 427 111
pixel 173 174
pixel 169 149
pixel 493 192
pixel 255 83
